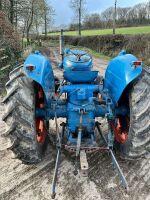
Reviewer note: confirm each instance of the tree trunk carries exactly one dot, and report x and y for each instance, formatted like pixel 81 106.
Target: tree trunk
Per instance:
pixel 148 10
pixel 114 18
pixel 80 18
pixel 27 34
pixel 0 4
pixel 30 22
pixel 16 16
pixel 11 11
pixel 45 24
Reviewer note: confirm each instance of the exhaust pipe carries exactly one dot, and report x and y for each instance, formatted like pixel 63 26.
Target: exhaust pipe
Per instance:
pixel 61 43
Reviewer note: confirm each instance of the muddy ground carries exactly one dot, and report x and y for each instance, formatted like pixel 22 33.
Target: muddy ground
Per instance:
pixel 33 182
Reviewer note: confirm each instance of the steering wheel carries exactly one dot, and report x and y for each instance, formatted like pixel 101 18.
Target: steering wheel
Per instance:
pixel 79 55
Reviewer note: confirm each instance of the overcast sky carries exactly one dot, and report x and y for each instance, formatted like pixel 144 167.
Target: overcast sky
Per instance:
pixel 64 14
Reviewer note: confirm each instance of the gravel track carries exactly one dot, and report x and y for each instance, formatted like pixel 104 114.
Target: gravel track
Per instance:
pixel 33 182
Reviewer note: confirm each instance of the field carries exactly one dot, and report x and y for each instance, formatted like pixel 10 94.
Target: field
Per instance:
pixel 127 30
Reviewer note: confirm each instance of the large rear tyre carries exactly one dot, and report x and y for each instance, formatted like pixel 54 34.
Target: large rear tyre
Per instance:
pixel 20 118
pixel 138 142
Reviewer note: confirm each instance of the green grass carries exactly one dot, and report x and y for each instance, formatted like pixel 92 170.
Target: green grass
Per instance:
pixel 126 30
pixel 91 52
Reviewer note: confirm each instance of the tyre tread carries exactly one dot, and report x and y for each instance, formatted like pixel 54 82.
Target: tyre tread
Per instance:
pixel 21 131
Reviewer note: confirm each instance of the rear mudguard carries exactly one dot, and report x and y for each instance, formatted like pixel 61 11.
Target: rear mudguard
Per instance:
pixel 119 73
pixel 38 68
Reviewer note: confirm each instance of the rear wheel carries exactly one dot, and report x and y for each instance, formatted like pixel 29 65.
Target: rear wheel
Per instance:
pixel 136 126
pixel 26 132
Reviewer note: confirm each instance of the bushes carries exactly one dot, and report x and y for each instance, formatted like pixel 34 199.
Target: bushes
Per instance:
pixel 9 38
pixel 111 45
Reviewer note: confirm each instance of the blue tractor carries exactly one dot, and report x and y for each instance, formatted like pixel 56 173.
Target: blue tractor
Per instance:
pixel 35 96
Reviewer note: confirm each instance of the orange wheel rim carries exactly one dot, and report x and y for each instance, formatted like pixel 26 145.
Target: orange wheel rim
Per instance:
pixel 41 131
pixel 120 136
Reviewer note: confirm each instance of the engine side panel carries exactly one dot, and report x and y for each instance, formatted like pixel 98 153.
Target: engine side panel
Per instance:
pixel 119 73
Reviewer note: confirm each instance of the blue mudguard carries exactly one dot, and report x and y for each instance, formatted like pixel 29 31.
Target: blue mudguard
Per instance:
pixel 38 68
pixel 119 73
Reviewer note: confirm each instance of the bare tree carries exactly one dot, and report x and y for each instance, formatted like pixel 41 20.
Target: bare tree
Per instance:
pixel 122 16
pixel 141 13
pixel 33 16
pixel 148 10
pixel 49 13
pixel 107 17
pixel 43 16
pixel 30 19
pixel 92 21
pixel 78 7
